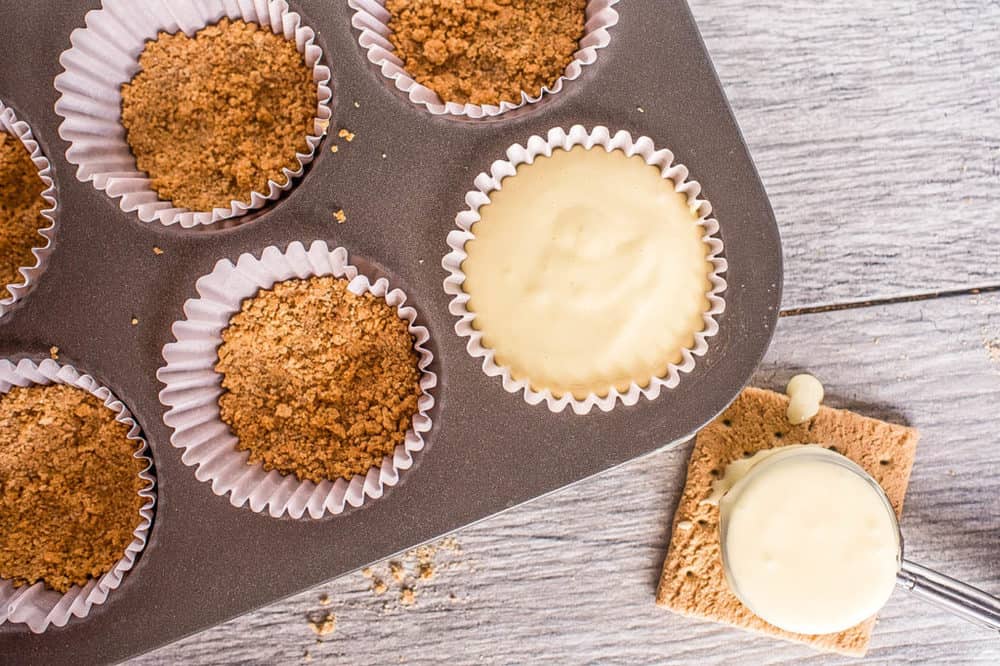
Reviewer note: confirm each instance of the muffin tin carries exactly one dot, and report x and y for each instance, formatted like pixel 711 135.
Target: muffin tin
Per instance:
pixel 401 182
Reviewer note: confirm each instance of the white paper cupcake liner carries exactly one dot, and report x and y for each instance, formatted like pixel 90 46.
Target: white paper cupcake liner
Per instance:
pixel 29 274
pixel 38 606
pixel 192 386
pixel 105 54
pixel 371 18
pixel 486 183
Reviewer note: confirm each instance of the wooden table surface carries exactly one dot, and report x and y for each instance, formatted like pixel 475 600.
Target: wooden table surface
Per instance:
pixel 876 129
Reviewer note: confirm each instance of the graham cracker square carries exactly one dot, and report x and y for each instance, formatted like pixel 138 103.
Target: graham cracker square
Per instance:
pixel 693 583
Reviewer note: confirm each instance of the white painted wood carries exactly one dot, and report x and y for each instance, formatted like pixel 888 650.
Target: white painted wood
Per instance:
pixel 876 128
pixel 570 578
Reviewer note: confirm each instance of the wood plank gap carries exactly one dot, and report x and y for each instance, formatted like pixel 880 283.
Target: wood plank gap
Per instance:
pixel 910 298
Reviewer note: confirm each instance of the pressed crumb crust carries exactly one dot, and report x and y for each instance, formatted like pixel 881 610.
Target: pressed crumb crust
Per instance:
pixel 212 118
pixel 319 382
pixel 21 206
pixel 486 51
pixel 69 485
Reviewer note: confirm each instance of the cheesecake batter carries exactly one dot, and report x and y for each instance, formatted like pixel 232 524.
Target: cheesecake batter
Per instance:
pixel 587 272
pixel 809 545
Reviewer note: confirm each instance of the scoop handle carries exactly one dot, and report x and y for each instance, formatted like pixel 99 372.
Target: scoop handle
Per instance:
pixel 958 598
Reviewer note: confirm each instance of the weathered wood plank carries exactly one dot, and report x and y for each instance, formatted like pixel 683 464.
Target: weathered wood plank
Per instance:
pixel 876 130
pixel 570 578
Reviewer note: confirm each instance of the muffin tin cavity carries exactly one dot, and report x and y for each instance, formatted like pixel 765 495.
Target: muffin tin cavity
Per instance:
pixel 193 386
pixel 105 56
pixel 38 605
pixel 373 20
pixel 18 131
pixel 574 242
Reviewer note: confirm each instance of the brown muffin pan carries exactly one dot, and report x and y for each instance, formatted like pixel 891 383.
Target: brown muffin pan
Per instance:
pixel 488 450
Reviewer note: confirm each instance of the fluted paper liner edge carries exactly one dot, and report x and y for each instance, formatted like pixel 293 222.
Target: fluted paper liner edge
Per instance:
pixel 485 183
pixel 371 18
pixel 192 386
pixel 20 130
pixel 36 605
pixel 105 54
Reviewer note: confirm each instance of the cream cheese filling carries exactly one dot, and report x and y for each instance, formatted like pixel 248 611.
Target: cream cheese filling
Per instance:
pixel 588 271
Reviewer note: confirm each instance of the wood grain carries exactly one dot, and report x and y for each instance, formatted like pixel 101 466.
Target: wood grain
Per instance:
pixel 876 129
pixel 570 578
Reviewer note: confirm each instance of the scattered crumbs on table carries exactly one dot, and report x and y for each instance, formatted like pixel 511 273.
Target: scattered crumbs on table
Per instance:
pixel 346 135
pixel 54 353
pixel 334 148
pixel 157 250
pixel 418 572
pixel 322 623
pixel 135 321
pixel 340 216
pixel 992 347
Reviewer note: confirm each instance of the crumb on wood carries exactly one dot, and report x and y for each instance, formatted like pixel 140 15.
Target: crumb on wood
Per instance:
pixel 426 571
pixel 157 250
pixel 640 109
pixel 340 216
pixel 346 135
pixel 334 148
pixel 379 586
pixel 992 347
pixel 383 155
pixel 357 105
pixel 54 352
pixel 397 571
pixel 135 321
pixel 322 624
